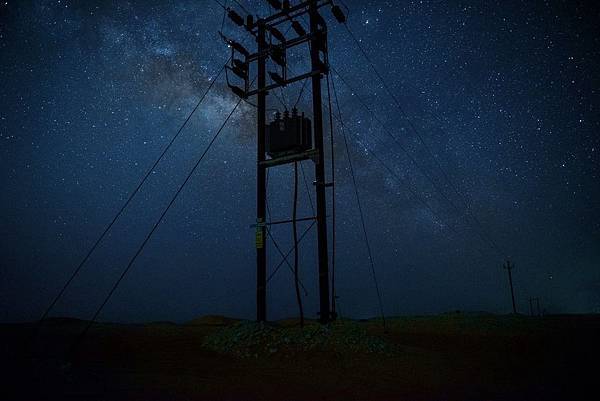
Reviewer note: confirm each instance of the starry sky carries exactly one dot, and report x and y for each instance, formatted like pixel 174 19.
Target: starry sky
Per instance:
pixel 503 93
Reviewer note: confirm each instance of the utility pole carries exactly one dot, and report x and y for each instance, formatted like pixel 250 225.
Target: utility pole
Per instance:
pixel 318 43
pixel 530 306
pixel 275 48
pixel 261 183
pixel 538 310
pixel 508 266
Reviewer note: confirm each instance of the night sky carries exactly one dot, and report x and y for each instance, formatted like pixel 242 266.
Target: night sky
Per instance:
pixel 504 93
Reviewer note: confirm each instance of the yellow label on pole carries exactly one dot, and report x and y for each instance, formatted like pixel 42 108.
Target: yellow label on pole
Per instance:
pixel 260 238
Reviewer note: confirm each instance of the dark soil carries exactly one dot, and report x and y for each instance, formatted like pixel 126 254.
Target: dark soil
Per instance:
pixel 448 357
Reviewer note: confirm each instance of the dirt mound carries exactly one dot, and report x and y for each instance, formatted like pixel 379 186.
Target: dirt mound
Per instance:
pixel 254 340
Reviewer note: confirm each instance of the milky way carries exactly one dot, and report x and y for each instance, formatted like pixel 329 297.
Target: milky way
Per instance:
pixel 504 96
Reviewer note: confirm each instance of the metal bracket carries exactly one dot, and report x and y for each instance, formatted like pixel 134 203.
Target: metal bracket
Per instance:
pixel 278 161
pixel 325 184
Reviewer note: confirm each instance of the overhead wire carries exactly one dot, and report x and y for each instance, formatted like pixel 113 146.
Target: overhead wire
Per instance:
pixel 128 201
pixel 224 15
pixel 301 93
pixel 306 230
pixel 312 206
pixel 358 201
pixel 333 203
pixel 274 273
pixel 295 238
pixel 285 260
pixel 244 9
pixel 412 158
pixel 220 4
pixel 156 225
pixel 447 178
pixel 402 181
pixel 270 235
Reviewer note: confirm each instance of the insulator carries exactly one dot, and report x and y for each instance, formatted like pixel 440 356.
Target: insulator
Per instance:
pixel 320 20
pixel 338 14
pixel 277 34
pixel 240 64
pixel 322 67
pixel 239 72
pixel 249 22
pixel 278 79
pixel 276 4
pixel 241 49
pixel 298 28
pixel 235 17
pixel 278 56
pixel 321 43
pixel 238 91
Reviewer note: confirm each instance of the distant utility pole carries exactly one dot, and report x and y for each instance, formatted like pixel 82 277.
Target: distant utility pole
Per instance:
pixel 509 266
pixel 538 309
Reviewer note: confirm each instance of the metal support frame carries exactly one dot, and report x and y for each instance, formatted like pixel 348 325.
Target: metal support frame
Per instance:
pixel 317 37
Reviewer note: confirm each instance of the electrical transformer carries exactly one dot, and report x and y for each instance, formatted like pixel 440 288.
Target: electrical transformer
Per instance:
pixel 289 135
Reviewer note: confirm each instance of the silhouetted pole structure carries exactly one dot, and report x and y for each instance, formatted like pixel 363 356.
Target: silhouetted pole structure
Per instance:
pixel 275 49
pixel 261 186
pixel 530 306
pixel 538 309
pixel 318 40
pixel 508 266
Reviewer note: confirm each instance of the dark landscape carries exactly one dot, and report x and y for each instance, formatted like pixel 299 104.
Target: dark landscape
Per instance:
pixel 454 356
pixel 298 200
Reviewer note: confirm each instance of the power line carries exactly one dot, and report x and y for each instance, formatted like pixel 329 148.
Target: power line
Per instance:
pixel 285 258
pixel 270 234
pixel 156 224
pixel 425 146
pixel 244 291
pixel 244 9
pixel 224 15
pixel 403 182
pixel 411 158
pixel 301 93
pixel 295 236
pixel 291 250
pixel 362 218
pixel 312 207
pixel 221 5
pixel 131 196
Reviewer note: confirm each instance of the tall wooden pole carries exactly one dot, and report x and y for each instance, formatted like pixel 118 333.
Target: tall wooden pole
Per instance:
pixel 261 185
pixel 317 36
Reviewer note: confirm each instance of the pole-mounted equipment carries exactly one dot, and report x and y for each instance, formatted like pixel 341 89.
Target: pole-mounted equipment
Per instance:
pixel 289 138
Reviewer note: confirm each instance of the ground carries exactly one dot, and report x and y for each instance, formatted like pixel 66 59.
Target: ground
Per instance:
pixel 455 356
